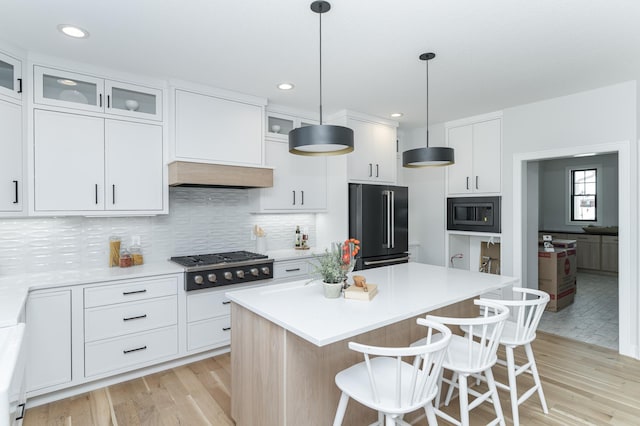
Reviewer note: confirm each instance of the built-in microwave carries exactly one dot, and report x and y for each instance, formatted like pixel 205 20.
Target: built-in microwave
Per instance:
pixel 478 214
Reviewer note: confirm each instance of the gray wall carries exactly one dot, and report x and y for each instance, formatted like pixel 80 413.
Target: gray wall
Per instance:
pixel 553 191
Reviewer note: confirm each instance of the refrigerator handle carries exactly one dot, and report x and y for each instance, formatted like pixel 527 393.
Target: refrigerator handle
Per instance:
pixel 387 194
pixel 393 219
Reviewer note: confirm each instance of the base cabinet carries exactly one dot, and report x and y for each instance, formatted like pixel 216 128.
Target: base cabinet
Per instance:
pixel 48 320
pixel 610 253
pixel 208 319
pixel 588 252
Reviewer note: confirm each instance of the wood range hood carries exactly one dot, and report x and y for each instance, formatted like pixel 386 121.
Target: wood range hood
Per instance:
pixel 183 173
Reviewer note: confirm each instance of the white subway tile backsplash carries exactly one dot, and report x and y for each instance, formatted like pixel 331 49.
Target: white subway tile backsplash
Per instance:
pixel 200 220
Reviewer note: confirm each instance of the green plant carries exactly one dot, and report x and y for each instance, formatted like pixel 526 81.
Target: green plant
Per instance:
pixel 334 264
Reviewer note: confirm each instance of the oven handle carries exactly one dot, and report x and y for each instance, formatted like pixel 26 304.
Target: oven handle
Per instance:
pixel 378 262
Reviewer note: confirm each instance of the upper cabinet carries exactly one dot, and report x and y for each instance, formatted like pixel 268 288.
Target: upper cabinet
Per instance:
pixel 280 124
pixel 10 76
pixel 71 90
pixel 11 160
pixel 374 156
pixel 106 166
pixel 216 127
pixel 478 154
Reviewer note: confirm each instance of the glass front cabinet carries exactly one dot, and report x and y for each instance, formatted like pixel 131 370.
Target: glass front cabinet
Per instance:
pixel 279 125
pixel 10 76
pixel 70 90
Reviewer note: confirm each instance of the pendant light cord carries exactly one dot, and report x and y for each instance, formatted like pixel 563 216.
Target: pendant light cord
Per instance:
pixel 320 49
pixel 427 61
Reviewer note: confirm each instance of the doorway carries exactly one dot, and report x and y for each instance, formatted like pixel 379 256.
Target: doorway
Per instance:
pixel 526 221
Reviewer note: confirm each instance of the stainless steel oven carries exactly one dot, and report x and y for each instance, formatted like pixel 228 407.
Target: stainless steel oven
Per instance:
pixel 477 214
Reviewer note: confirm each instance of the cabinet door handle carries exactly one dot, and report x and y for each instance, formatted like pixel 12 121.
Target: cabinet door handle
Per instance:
pixel 113 193
pixel 292 270
pixel 302 197
pixel 128 351
pixel 226 302
pixel 370 170
pixel 377 170
pixel 100 100
pixel 467 182
pixel 19 85
pixel 108 101
pixel 476 182
pixel 226 328
pixel 20 409
pixel 294 198
pixel 96 193
pixel 127 293
pixel 15 183
pixel 134 318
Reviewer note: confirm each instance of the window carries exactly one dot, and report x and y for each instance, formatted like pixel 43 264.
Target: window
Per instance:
pixel 584 195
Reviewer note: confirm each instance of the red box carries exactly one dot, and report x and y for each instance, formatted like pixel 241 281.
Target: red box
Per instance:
pixel 557 276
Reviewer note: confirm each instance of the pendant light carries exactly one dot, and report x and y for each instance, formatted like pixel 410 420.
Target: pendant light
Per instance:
pixel 428 156
pixel 322 139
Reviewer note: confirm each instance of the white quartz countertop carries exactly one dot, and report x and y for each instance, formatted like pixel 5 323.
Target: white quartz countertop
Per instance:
pixel 14 289
pixel 404 291
pixel 293 254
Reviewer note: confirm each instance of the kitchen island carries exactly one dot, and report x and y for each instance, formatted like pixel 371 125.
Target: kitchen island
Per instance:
pixel 288 341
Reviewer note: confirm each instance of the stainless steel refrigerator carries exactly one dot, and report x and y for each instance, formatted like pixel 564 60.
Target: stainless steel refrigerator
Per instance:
pixel 379 218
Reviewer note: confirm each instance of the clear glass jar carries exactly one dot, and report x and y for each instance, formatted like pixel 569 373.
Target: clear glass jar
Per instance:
pixel 125 258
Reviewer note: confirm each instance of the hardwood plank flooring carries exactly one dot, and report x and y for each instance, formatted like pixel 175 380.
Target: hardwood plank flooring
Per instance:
pixel 583 385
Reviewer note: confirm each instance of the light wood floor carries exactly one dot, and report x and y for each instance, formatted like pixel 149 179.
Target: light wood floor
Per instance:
pixel 583 384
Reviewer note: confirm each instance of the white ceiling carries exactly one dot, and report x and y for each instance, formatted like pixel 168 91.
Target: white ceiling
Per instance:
pixel 491 54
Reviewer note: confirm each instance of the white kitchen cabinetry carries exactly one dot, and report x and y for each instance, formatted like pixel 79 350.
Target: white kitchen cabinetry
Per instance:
pixel 279 125
pixel 374 156
pixel 78 91
pixel 215 129
pixel 208 319
pixel 10 77
pixel 291 270
pixel 299 182
pixel 477 148
pixel 48 320
pixel 73 154
pixel 11 159
pixel 129 324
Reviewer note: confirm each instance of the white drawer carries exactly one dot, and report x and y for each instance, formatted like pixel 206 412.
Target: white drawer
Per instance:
pixel 116 354
pixel 209 332
pixel 132 317
pixel 290 269
pixel 130 291
pixel 207 304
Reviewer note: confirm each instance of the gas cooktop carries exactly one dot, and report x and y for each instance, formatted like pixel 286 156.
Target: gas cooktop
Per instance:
pixel 220 269
pixel 214 259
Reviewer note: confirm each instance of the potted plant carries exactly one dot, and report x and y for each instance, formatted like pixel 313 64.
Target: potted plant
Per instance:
pixel 334 265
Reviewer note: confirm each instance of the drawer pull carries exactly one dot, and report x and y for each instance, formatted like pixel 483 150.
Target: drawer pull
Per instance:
pixel 128 351
pixel 226 302
pixel 126 293
pixel 292 270
pixel 134 318
pixel 226 328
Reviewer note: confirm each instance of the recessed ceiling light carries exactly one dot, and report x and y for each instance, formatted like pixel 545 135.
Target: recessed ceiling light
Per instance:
pixel 285 86
pixel 73 31
pixel 67 82
pixel 396 114
pixel 586 154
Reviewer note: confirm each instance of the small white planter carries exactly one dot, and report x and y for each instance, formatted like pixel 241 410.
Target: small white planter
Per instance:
pixel 332 290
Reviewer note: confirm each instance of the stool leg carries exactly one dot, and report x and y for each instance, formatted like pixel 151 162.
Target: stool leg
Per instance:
pixel 513 387
pixel 342 409
pixel 463 397
pixel 494 396
pixel 536 377
pixel 454 378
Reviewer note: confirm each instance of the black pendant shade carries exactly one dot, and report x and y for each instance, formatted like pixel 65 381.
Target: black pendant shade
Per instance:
pixel 428 156
pixel 322 139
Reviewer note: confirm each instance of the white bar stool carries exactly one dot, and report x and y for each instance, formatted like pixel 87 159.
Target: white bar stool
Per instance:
pixel 391 386
pixel 520 330
pixel 468 357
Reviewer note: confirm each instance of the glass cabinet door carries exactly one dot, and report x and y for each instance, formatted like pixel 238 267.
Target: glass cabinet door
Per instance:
pixel 10 76
pixel 133 101
pixel 70 90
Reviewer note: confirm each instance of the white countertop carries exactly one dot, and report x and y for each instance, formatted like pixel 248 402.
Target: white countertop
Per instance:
pixel 293 254
pixel 14 289
pixel 404 291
